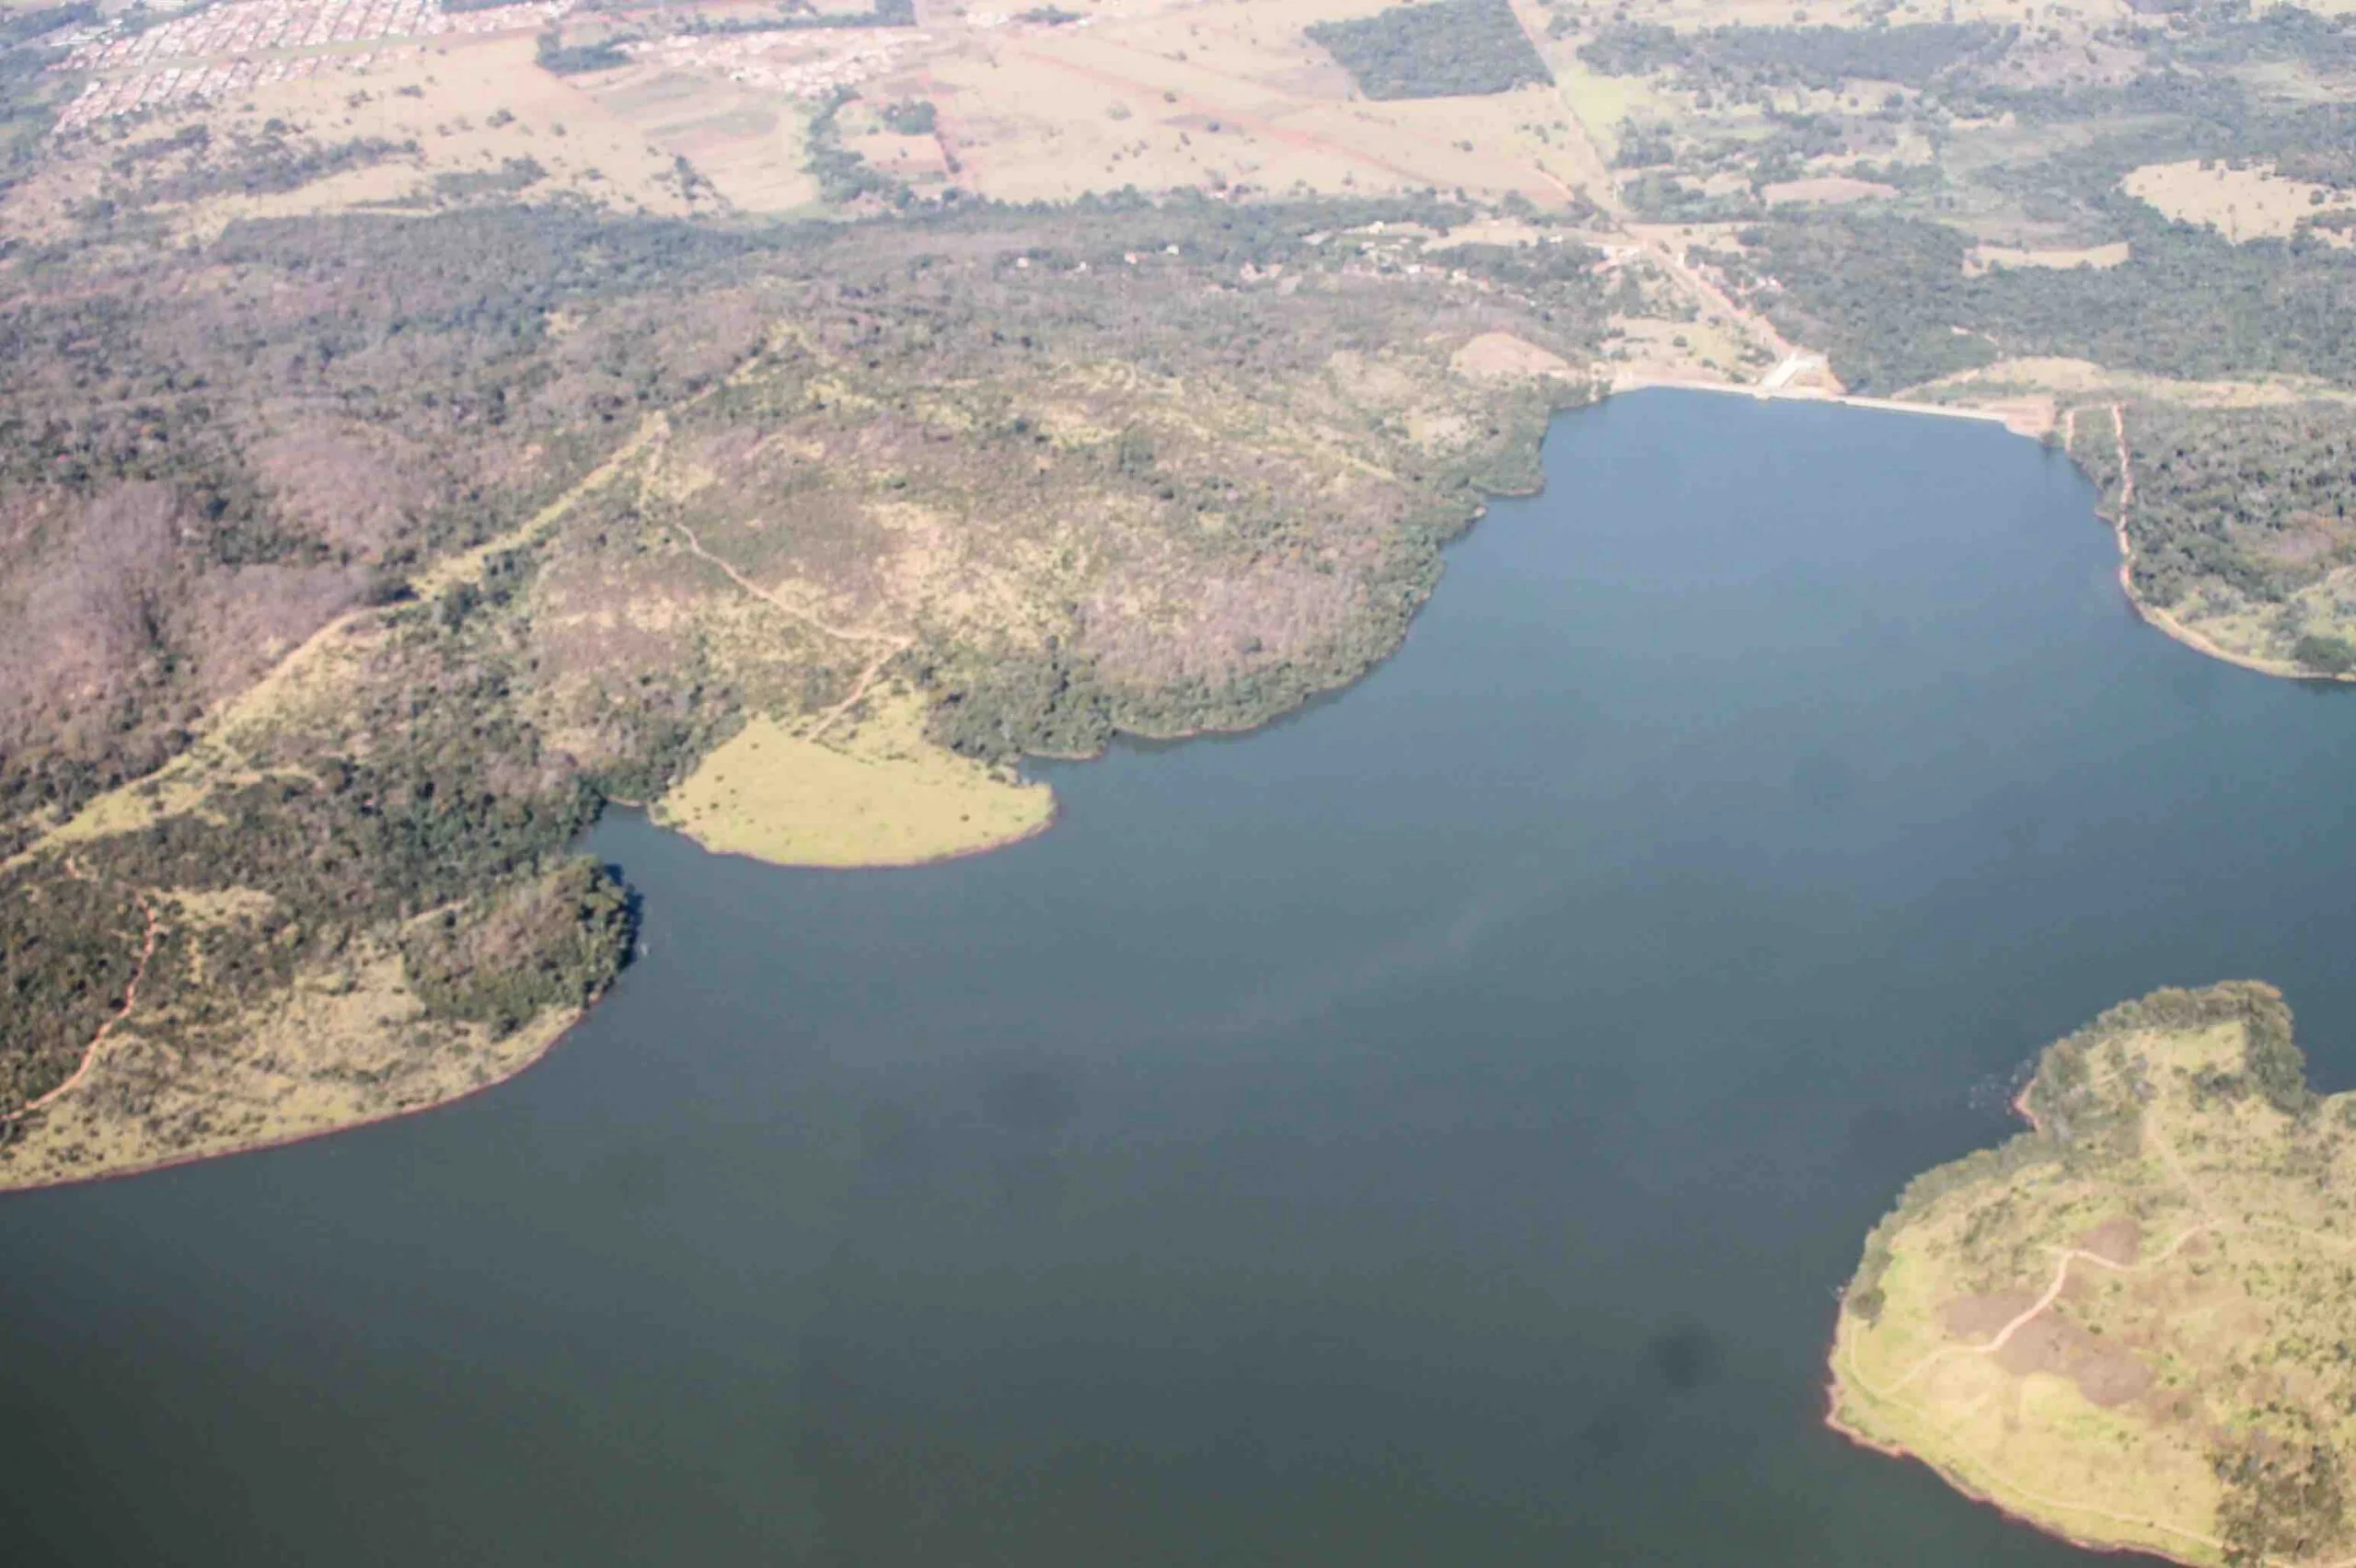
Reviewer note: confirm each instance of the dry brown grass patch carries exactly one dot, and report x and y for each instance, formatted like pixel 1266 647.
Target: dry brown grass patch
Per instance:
pixel 2244 204
pixel 873 791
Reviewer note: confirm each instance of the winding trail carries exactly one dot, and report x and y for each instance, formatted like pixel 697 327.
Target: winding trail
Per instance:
pixel 1660 241
pixel 2014 1490
pixel 130 1000
pixel 859 687
pixel 315 652
pixel 2004 1336
pixel 895 644
pixel 808 618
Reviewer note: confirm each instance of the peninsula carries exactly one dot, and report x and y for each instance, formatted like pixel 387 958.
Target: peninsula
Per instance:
pixel 2132 1325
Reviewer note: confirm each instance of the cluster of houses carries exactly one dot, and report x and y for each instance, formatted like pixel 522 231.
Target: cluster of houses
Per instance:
pixel 107 96
pixel 801 65
pixel 251 28
pixel 235 47
pixel 248 43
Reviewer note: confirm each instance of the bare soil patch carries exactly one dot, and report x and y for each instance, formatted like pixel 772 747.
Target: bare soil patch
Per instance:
pixel 1501 356
pixel 751 144
pixel 1980 1318
pixel 2118 1239
pixel 1826 190
pixel 2049 1343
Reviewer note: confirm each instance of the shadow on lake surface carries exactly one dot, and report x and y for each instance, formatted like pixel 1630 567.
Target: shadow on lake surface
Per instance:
pixel 1429 1130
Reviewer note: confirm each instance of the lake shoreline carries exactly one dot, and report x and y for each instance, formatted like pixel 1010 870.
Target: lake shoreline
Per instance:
pixel 2150 615
pixel 1898 1451
pixel 538 1053
pixel 1829 399
pixel 2167 626
pixel 1966 1489
pixel 915 863
pixel 1316 1041
pixel 1837 1384
pixel 2156 618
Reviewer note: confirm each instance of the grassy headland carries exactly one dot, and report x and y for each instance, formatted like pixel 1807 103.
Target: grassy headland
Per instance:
pixel 870 791
pixel 2131 1325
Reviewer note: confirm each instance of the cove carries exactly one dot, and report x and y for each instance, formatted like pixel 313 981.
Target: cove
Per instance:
pixel 1429 1130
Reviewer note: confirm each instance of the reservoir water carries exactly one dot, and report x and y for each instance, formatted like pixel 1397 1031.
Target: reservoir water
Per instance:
pixel 1429 1131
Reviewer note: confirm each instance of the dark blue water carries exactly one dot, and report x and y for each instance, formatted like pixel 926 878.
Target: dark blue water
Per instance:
pixel 1429 1131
